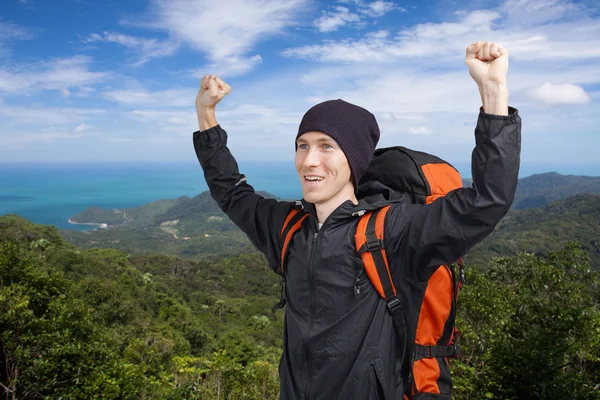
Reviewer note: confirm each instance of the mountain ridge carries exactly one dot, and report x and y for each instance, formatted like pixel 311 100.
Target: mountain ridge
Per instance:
pixel 196 228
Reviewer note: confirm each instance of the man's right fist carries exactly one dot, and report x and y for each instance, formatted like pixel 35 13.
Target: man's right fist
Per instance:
pixel 212 90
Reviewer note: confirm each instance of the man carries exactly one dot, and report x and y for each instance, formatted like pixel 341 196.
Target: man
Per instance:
pixel 340 343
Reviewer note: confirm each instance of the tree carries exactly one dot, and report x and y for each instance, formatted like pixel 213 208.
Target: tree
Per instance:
pixel 531 328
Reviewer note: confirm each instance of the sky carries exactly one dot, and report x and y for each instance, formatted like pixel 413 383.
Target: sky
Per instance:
pixel 111 81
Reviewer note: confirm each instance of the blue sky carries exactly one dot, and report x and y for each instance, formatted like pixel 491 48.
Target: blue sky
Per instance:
pixel 84 80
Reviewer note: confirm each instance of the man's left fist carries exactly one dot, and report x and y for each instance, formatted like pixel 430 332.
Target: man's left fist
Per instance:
pixel 488 63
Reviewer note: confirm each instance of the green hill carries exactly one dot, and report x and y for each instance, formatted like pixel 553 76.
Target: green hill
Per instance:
pixel 545 229
pixel 542 189
pixel 190 227
pixel 196 228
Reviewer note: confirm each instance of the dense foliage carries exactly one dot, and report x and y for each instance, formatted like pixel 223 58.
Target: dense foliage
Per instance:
pixel 531 329
pixel 101 324
pixel 98 323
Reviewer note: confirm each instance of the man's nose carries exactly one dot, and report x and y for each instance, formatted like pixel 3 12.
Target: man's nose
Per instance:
pixel 312 159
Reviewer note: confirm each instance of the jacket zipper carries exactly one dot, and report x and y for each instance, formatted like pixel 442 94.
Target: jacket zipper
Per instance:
pixel 312 306
pixel 312 312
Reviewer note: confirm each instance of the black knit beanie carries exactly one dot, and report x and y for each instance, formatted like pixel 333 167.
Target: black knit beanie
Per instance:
pixel 352 127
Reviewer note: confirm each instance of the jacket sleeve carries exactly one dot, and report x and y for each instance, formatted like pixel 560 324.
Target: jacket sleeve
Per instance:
pixel 259 218
pixel 423 237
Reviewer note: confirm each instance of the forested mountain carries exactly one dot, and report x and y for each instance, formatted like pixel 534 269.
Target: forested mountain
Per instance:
pixel 195 228
pixel 542 189
pixel 545 229
pixel 191 227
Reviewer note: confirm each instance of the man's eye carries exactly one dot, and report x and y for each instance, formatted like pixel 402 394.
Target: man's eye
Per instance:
pixel 303 146
pixel 327 147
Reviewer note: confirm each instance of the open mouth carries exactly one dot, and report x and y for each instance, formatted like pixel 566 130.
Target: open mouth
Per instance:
pixel 313 178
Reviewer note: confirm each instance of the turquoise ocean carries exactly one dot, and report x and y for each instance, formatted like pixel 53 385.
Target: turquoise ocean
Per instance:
pixel 51 193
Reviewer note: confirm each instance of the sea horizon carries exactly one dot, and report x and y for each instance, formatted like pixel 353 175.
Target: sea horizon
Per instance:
pixel 52 192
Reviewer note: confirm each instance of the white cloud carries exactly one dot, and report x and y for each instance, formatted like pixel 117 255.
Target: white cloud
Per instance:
pixel 559 40
pixel 82 128
pixel 405 95
pixel 45 124
pixel 340 16
pixel 162 98
pixel 233 66
pixel 419 130
pixel 59 74
pixel 234 116
pixel 46 116
pixel 48 134
pixel 261 115
pixel 562 41
pixel 225 29
pixel 172 116
pixel 379 8
pixel 10 32
pixel 558 94
pixel 145 49
pixel 535 12
pixel 333 20
pixel 178 120
pixel 475 22
pixel 165 121
pixel 423 40
pixel 368 49
pixel 84 91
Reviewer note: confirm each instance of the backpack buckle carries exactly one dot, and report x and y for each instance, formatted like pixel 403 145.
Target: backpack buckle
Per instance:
pixel 394 305
pixel 374 245
pixel 456 352
pixel 432 351
pixel 428 351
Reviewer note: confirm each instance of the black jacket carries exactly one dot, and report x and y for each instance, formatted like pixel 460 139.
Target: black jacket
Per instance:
pixel 339 340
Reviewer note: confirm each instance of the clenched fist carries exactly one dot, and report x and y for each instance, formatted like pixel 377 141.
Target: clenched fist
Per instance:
pixel 212 90
pixel 488 63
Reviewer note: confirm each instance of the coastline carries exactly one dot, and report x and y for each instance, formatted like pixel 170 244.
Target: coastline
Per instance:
pixel 100 225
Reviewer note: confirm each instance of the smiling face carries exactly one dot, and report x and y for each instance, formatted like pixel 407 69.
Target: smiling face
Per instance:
pixel 323 170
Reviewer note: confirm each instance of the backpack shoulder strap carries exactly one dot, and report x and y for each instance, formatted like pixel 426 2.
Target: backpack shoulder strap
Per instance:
pixel 291 225
pixel 370 244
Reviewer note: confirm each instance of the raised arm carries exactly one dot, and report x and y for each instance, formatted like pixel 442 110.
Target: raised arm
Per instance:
pixel 256 216
pixel 443 231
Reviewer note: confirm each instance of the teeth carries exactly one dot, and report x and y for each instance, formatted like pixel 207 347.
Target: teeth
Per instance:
pixel 313 178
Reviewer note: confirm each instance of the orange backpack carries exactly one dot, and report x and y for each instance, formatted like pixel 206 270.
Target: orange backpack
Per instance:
pixel 424 178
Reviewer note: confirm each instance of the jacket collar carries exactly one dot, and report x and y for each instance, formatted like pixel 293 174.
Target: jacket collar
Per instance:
pixel 349 210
